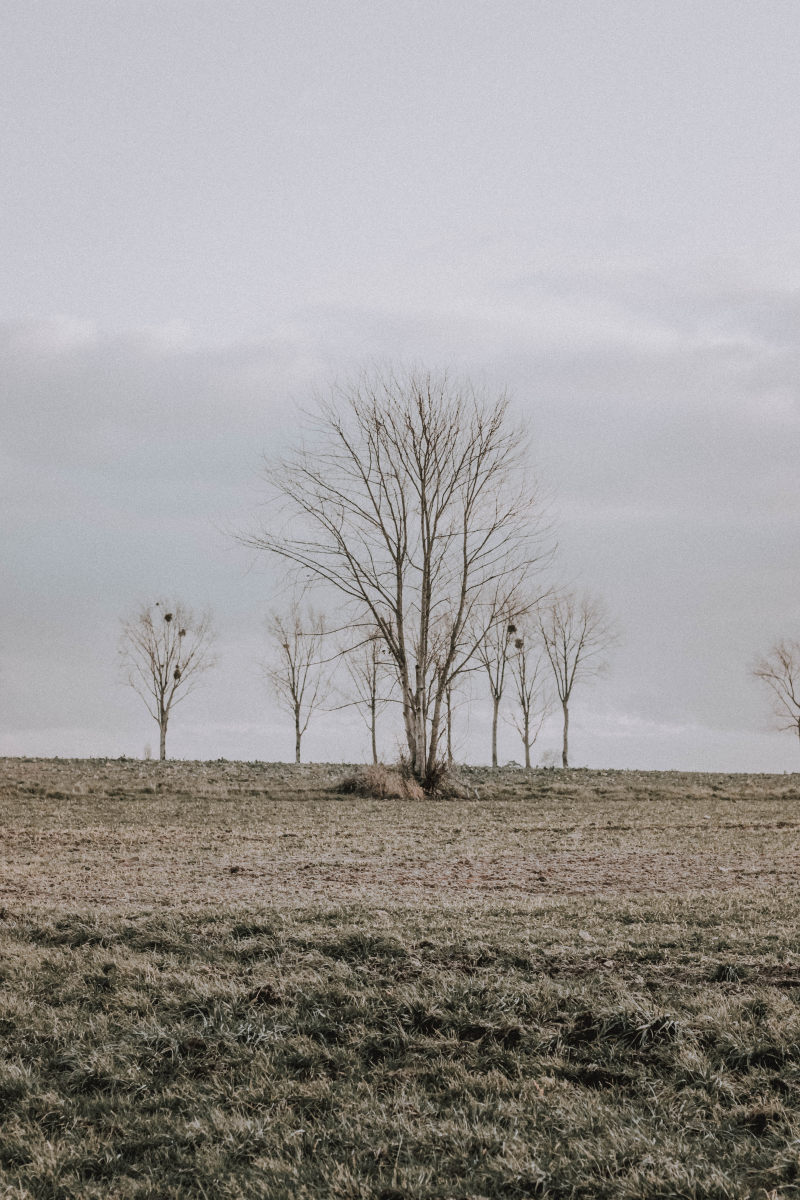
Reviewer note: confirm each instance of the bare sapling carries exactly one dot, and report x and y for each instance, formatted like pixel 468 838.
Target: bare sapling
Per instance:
pixel 528 667
pixel 457 702
pixel 575 633
pixel 164 650
pixel 493 655
pixel 297 670
pixel 779 669
pixel 369 681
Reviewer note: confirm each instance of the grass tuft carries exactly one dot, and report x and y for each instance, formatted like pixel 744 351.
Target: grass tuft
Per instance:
pixel 379 782
pixel 344 1063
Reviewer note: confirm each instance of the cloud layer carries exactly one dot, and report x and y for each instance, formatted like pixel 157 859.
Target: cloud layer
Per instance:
pixel 667 433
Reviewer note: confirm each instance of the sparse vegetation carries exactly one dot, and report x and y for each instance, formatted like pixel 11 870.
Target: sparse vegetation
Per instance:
pixel 228 980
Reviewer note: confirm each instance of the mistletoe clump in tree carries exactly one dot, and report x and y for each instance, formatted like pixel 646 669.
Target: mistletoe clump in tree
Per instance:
pixel 164 649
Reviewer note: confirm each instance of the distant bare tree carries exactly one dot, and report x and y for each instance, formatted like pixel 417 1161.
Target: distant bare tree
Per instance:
pixel 371 678
pixel 412 503
pixel 297 670
pixel 164 649
pixel 528 664
pixel 492 653
pixel 575 633
pixel 780 671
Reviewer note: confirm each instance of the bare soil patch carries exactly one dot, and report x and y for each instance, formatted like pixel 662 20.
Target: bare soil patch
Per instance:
pixel 122 833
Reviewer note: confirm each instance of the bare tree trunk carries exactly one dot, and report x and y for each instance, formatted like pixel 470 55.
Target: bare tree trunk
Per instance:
pixel 435 727
pixel 162 729
pixel 419 726
pixel 297 736
pixel 565 745
pixel 526 740
pixel 496 709
pixel 374 733
pixel 449 695
pixel 408 723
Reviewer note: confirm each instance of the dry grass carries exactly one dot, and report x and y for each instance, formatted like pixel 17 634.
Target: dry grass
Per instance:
pixel 379 782
pixel 225 980
pixel 571 1048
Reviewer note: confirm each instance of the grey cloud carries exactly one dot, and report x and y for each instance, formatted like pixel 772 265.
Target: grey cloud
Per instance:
pixel 672 458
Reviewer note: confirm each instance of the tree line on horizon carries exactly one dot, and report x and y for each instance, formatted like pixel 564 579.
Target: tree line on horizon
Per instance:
pixel 411 506
pixel 533 657
pixel 538 655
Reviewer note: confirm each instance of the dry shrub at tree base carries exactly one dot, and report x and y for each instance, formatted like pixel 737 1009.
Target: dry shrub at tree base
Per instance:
pixel 381 783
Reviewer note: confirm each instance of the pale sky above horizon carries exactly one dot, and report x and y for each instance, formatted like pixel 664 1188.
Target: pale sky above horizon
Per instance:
pixel 210 210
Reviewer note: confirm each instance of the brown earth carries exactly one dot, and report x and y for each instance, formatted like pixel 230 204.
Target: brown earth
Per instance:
pixel 120 834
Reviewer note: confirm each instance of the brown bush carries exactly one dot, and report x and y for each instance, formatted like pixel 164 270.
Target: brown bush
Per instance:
pixel 399 783
pixel 443 781
pixel 382 783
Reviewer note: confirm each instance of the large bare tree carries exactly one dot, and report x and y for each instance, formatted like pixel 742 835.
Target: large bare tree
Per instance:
pixel 528 665
pixel 575 633
pixel 412 501
pixel 297 669
pixel 164 649
pixel 779 669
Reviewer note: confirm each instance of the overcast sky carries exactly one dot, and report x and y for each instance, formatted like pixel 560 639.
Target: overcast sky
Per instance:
pixel 211 209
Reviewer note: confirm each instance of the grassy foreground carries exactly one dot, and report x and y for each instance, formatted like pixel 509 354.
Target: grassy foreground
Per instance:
pixel 474 1042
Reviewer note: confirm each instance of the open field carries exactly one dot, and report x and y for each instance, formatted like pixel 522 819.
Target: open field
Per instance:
pixel 116 833
pixel 224 980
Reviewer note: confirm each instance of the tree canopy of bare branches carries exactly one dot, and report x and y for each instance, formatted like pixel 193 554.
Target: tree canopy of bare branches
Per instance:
pixel 780 671
pixel 297 670
pixel 413 503
pixel 164 649
pixel 575 633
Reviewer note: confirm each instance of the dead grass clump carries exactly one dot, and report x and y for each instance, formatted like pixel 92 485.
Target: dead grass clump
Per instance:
pixel 380 782
pixel 441 783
